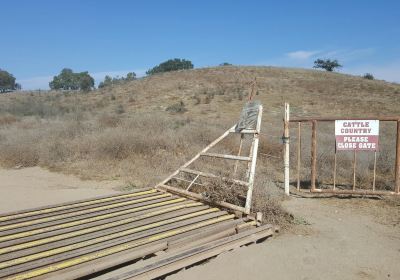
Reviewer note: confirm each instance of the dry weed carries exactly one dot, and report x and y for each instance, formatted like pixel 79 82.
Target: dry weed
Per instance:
pixel 92 136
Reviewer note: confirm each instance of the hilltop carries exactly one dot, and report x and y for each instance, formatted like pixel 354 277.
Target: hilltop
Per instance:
pixel 118 131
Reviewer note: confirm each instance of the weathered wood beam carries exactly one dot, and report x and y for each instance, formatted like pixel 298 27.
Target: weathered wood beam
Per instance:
pixel 226 156
pixel 172 262
pixel 210 175
pixel 197 196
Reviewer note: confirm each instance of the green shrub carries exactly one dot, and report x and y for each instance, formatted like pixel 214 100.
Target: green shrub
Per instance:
pixel 177 108
pixel 171 65
pixel 108 81
pixel 120 109
pixel 327 64
pixel 197 99
pixel 368 76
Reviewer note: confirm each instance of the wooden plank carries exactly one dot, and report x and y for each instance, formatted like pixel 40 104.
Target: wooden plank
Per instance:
pixel 171 262
pixel 86 269
pixel 34 211
pixel 64 246
pixel 70 263
pixel 244 131
pixel 50 231
pixel 92 216
pixel 39 245
pixel 74 214
pixel 101 243
pixel 241 158
pixel 206 235
pixel 191 256
pixel 218 231
pixel 187 240
pixel 76 209
pixel 200 197
pixel 245 226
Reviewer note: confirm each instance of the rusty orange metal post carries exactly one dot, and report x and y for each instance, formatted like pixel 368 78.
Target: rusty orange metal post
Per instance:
pixel 334 169
pixel 313 155
pixel 354 169
pixel 298 155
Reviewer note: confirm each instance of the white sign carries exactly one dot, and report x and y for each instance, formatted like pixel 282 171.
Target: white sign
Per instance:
pixel 360 135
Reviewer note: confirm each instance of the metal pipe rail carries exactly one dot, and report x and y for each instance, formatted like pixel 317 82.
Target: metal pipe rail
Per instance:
pixel 314 122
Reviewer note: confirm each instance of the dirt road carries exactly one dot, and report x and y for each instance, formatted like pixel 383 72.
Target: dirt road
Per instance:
pixel 345 239
pixel 35 187
pixel 335 238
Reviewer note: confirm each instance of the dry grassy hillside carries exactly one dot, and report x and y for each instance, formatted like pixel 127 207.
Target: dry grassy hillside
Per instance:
pixel 142 130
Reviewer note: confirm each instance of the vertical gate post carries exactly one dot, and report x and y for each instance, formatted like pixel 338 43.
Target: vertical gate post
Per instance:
pixel 298 155
pixel 253 162
pixel 334 168
pixel 313 154
pixel 286 143
pixel 374 178
pixel 354 169
pixel 397 166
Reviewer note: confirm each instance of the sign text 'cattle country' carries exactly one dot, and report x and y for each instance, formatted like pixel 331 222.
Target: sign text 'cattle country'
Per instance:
pixel 362 135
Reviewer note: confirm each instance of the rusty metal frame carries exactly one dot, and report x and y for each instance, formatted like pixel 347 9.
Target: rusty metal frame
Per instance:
pixel 314 122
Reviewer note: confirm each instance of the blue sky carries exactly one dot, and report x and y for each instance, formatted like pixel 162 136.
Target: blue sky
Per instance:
pixel 114 37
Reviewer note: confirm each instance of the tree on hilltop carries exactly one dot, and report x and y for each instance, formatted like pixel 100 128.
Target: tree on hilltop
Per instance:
pixel 68 80
pixel 171 65
pixel 108 81
pixel 7 82
pixel 368 76
pixel 327 64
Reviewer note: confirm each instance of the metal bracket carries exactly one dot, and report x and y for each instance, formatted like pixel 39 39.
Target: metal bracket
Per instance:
pixel 285 140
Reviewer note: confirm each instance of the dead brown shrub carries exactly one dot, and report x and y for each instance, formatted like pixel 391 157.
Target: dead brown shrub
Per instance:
pixel 84 134
pixel 106 120
pixel 271 208
pixel 7 120
pixel 262 201
pixel 220 190
pixel 18 150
